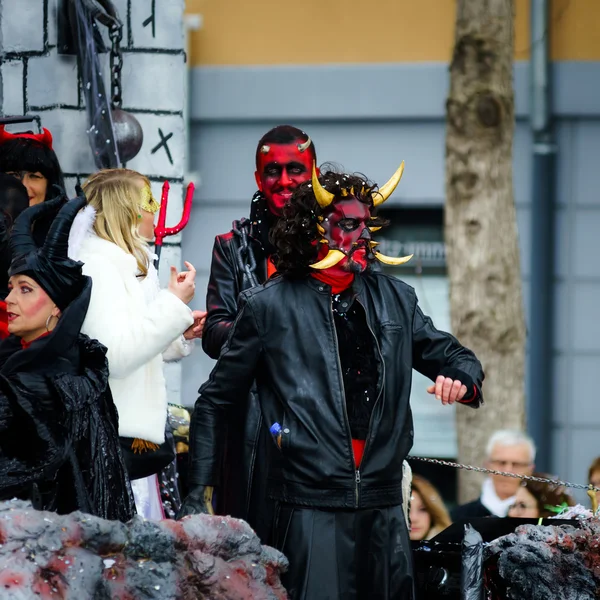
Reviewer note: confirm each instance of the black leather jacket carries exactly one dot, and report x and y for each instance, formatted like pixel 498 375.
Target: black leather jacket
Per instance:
pixel 227 280
pixel 242 494
pixel 284 337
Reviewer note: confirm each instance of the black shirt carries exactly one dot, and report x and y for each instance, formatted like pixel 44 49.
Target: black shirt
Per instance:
pixel 358 361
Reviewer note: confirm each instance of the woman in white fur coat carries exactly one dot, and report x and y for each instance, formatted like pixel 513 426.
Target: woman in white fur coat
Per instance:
pixel 128 312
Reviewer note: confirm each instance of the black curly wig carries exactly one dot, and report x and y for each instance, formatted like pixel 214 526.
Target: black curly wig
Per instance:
pixel 295 234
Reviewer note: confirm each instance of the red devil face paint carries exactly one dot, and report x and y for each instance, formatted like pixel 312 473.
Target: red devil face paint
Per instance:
pixel 345 228
pixel 280 171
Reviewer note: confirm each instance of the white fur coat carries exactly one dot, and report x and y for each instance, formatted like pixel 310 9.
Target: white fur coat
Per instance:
pixel 136 321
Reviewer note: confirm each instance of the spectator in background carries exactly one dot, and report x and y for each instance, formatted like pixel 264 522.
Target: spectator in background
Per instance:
pixel 30 158
pixel 428 514
pixel 511 451
pixel 535 499
pixel 594 476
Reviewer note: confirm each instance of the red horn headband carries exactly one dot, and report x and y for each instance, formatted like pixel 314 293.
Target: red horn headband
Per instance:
pixel 44 138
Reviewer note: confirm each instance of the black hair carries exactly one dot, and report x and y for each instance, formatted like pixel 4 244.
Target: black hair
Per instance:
pixel 13 201
pixel 284 134
pixel 13 198
pixel 24 154
pixel 295 234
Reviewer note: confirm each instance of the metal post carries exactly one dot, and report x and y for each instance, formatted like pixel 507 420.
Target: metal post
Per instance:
pixel 539 397
pixel 192 22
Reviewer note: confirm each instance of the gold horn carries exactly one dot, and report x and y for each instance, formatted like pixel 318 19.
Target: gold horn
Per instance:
pixel 324 198
pixel 388 260
pixel 265 149
pixel 333 258
pixel 304 146
pixel 385 191
pixel 374 229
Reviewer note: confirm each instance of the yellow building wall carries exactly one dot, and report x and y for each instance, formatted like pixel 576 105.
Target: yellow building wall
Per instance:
pixel 271 32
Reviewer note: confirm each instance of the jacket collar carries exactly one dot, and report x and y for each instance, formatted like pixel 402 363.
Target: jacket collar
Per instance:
pixel 83 240
pixel 261 220
pixel 322 288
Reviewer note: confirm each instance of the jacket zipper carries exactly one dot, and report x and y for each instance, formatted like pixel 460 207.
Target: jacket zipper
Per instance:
pixel 349 437
pixel 257 434
pixel 382 382
pixel 253 463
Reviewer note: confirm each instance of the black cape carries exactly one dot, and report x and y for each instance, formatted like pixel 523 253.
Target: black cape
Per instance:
pixel 59 444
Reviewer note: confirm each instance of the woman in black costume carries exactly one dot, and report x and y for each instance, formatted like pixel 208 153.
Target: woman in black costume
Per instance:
pixel 59 445
pixel 30 158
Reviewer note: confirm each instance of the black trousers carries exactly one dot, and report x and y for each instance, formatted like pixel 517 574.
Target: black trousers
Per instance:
pixel 344 554
pixel 242 493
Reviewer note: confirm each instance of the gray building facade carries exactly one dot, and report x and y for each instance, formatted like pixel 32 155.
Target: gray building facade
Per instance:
pixel 370 117
pixel 365 117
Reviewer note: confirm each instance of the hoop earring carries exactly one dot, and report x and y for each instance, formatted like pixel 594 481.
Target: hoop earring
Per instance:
pixel 48 322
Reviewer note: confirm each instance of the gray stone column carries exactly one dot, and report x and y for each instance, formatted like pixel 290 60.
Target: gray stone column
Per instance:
pixel 37 80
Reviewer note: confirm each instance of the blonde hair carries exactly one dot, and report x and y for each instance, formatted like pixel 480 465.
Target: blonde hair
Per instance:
pixel 434 505
pixel 595 466
pixel 116 198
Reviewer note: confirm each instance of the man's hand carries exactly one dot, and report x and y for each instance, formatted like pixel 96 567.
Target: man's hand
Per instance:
pixel 448 390
pixel 195 331
pixel 198 501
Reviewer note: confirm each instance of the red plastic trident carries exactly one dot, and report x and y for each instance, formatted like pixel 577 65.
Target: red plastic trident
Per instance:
pixel 160 231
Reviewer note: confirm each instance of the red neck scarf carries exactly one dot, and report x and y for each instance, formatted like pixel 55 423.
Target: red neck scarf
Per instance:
pixel 338 282
pixel 26 345
pixel 271 268
pixel 335 277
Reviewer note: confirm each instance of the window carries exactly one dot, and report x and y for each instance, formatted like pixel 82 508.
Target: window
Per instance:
pixel 420 232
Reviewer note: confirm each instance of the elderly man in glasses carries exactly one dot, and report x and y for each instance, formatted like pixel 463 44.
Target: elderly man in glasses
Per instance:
pixel 509 451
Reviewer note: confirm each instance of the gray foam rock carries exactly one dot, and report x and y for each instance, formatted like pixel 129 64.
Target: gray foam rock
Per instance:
pixel 561 562
pixel 47 556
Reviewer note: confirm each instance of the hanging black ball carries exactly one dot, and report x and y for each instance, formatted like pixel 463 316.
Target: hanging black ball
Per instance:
pixel 128 134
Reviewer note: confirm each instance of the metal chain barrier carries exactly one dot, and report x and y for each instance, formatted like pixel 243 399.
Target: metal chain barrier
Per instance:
pixel 245 255
pixel 445 463
pixel 116 66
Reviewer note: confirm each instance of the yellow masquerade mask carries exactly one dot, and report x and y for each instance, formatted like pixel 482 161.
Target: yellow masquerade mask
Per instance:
pixel 148 202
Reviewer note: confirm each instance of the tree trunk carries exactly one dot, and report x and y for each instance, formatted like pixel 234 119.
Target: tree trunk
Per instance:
pixel 480 224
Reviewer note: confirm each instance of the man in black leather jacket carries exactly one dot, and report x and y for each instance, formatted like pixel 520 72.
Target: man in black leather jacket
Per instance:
pixel 240 260
pixel 331 344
